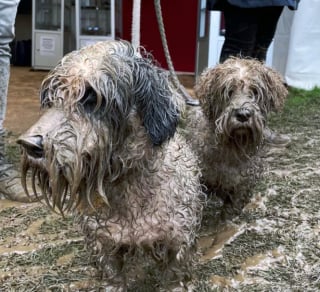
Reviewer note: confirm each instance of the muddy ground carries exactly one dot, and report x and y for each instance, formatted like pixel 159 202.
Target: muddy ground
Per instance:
pixel 273 245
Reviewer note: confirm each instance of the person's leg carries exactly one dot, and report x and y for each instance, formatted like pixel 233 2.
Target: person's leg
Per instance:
pixel 8 12
pixel 10 182
pixel 267 23
pixel 267 18
pixel 241 28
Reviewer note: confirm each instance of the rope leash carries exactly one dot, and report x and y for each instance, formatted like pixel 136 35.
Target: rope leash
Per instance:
pixel 135 27
pixel 135 40
pixel 188 99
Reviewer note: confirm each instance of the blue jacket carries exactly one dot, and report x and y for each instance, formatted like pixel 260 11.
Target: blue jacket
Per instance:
pixel 292 4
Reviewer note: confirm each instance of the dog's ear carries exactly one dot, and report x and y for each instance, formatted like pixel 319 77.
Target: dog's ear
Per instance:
pixel 276 91
pixel 210 89
pixel 46 94
pixel 155 102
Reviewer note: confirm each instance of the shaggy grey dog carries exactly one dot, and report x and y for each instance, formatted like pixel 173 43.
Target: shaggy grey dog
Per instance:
pixel 106 148
pixel 227 132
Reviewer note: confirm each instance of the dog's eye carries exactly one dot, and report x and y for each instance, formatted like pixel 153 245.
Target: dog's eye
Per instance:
pixel 254 93
pixel 89 98
pixel 90 101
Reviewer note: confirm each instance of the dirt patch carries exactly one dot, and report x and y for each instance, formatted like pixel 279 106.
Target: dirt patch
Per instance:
pixel 23 98
pixel 273 245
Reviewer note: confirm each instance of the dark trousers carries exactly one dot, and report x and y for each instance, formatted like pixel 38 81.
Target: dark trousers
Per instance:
pixel 249 31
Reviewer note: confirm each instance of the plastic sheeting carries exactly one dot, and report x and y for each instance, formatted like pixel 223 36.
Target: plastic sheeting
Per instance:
pixel 296 52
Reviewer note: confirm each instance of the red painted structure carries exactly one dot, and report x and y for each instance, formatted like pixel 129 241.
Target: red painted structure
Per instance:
pixel 180 19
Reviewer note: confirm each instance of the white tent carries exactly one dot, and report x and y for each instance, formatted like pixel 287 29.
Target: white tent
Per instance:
pixel 296 46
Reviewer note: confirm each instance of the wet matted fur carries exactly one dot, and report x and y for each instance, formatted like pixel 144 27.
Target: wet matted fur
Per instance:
pixel 106 148
pixel 227 131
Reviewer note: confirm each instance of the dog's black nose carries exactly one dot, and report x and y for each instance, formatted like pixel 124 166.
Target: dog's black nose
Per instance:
pixel 243 114
pixel 33 145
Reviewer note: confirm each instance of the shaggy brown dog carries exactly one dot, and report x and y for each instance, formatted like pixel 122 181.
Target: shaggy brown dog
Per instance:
pixel 228 132
pixel 106 148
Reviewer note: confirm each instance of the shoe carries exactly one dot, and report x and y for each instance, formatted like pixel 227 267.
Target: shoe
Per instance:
pixel 275 139
pixel 10 179
pixel 10 184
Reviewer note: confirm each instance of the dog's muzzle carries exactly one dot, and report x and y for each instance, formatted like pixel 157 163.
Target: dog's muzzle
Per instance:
pixel 33 145
pixel 243 114
pixel 32 140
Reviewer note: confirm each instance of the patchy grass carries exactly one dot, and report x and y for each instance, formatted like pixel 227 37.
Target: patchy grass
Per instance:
pixel 275 246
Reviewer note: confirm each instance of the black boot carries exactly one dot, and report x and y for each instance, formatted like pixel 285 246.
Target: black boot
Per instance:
pixel 260 53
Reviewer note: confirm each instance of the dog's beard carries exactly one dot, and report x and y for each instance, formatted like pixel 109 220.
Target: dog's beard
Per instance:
pixel 44 181
pixel 241 139
pixel 71 168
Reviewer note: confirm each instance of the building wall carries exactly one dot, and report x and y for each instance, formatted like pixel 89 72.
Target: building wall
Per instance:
pixel 23 25
pixel 21 46
pixel 180 20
